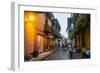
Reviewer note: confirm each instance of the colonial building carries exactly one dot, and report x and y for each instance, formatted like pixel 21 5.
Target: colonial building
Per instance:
pixel 79 30
pixel 41 29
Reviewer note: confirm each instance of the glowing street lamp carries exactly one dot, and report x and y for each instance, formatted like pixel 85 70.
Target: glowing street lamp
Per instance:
pixel 31 18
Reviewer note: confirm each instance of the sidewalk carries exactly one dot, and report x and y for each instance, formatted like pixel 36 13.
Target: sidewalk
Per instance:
pixel 43 55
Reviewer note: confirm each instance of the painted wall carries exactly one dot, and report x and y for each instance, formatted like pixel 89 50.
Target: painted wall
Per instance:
pixel 33 23
pixel 87 38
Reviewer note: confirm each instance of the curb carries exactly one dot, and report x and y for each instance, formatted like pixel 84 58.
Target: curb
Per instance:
pixel 48 54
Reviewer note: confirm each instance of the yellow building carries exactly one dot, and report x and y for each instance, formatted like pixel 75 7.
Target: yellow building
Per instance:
pixel 35 37
pixel 82 39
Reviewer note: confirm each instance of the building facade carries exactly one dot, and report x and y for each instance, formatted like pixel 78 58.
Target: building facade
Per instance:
pixel 79 30
pixel 41 29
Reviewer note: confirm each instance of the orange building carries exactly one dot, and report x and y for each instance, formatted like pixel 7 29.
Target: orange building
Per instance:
pixel 38 31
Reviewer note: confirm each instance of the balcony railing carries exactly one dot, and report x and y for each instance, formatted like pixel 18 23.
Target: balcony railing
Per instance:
pixel 48 29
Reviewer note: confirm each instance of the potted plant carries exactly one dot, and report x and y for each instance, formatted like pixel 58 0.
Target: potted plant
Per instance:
pixel 35 53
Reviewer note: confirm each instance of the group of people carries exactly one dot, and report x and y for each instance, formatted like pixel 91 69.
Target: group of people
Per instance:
pixel 73 50
pixel 69 47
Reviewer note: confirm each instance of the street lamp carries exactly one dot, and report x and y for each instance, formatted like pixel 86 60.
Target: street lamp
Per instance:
pixel 29 18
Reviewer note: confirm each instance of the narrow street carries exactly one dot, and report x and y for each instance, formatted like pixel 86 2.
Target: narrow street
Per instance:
pixel 45 31
pixel 59 54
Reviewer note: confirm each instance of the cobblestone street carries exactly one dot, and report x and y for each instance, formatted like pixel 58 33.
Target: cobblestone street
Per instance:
pixel 59 54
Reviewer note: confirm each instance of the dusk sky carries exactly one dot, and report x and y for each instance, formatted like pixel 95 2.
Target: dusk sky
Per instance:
pixel 62 18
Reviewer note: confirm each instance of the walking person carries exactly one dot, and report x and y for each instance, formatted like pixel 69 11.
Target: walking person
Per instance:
pixel 70 50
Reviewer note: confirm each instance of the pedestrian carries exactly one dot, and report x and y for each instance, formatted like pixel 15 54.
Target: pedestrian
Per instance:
pixel 70 50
